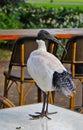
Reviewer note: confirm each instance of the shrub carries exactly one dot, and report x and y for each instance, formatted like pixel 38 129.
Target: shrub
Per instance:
pixel 9 18
pixel 12 2
pixel 42 17
pixel 27 16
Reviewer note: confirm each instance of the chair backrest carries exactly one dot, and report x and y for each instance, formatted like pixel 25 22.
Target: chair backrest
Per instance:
pixel 23 47
pixel 74 55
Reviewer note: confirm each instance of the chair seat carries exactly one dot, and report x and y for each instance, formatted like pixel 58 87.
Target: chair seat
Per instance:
pixel 15 75
pixel 79 69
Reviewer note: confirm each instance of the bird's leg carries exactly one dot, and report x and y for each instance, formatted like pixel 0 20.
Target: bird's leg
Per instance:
pixel 42 113
pixel 47 103
pixel 45 100
pixel 45 106
pixel 46 111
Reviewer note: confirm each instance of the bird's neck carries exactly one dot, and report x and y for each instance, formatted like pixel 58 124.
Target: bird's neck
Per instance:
pixel 42 46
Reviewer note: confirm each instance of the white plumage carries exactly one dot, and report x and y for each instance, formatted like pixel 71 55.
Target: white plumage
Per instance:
pixel 48 73
pixel 41 66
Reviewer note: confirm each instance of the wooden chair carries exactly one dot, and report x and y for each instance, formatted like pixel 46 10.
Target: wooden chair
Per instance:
pixel 17 67
pixel 74 57
pixel 5 103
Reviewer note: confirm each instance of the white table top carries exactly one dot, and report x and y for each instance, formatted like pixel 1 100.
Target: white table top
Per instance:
pixel 18 118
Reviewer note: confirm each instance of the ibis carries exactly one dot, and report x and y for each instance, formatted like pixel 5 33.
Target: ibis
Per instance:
pixel 48 72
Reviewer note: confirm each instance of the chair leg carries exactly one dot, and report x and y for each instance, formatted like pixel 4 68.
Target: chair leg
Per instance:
pixel 21 95
pixel 72 101
pixel 81 111
pixel 4 103
pixel 51 97
pixel 82 94
pixel 5 88
pixel 39 94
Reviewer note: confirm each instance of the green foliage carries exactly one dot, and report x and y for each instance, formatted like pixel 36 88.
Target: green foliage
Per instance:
pixel 33 17
pixel 12 2
pixel 9 18
pixel 28 16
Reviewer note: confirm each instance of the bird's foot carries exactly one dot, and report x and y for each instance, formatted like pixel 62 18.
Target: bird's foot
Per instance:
pixel 38 116
pixel 41 115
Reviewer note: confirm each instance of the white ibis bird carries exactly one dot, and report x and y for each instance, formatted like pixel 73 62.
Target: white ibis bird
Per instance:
pixel 48 72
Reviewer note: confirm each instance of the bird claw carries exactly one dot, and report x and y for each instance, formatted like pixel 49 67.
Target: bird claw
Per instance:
pixel 35 117
pixel 41 115
pixel 46 113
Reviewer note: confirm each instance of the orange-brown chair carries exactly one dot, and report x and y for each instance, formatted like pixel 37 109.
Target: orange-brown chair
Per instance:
pixel 17 68
pixel 74 57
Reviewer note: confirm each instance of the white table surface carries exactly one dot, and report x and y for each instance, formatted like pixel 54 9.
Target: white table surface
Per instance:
pixel 18 118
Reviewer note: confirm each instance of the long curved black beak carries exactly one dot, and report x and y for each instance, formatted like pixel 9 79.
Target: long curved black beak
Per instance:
pixel 44 35
pixel 55 40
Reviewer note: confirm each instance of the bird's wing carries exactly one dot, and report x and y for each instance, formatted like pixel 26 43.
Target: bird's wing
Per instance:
pixel 51 61
pixel 41 66
pixel 63 82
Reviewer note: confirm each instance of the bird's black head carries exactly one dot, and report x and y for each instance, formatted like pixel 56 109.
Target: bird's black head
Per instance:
pixel 45 35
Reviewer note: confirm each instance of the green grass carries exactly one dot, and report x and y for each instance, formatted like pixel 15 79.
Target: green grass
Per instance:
pixel 4 53
pixel 56 4
pixel 48 1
